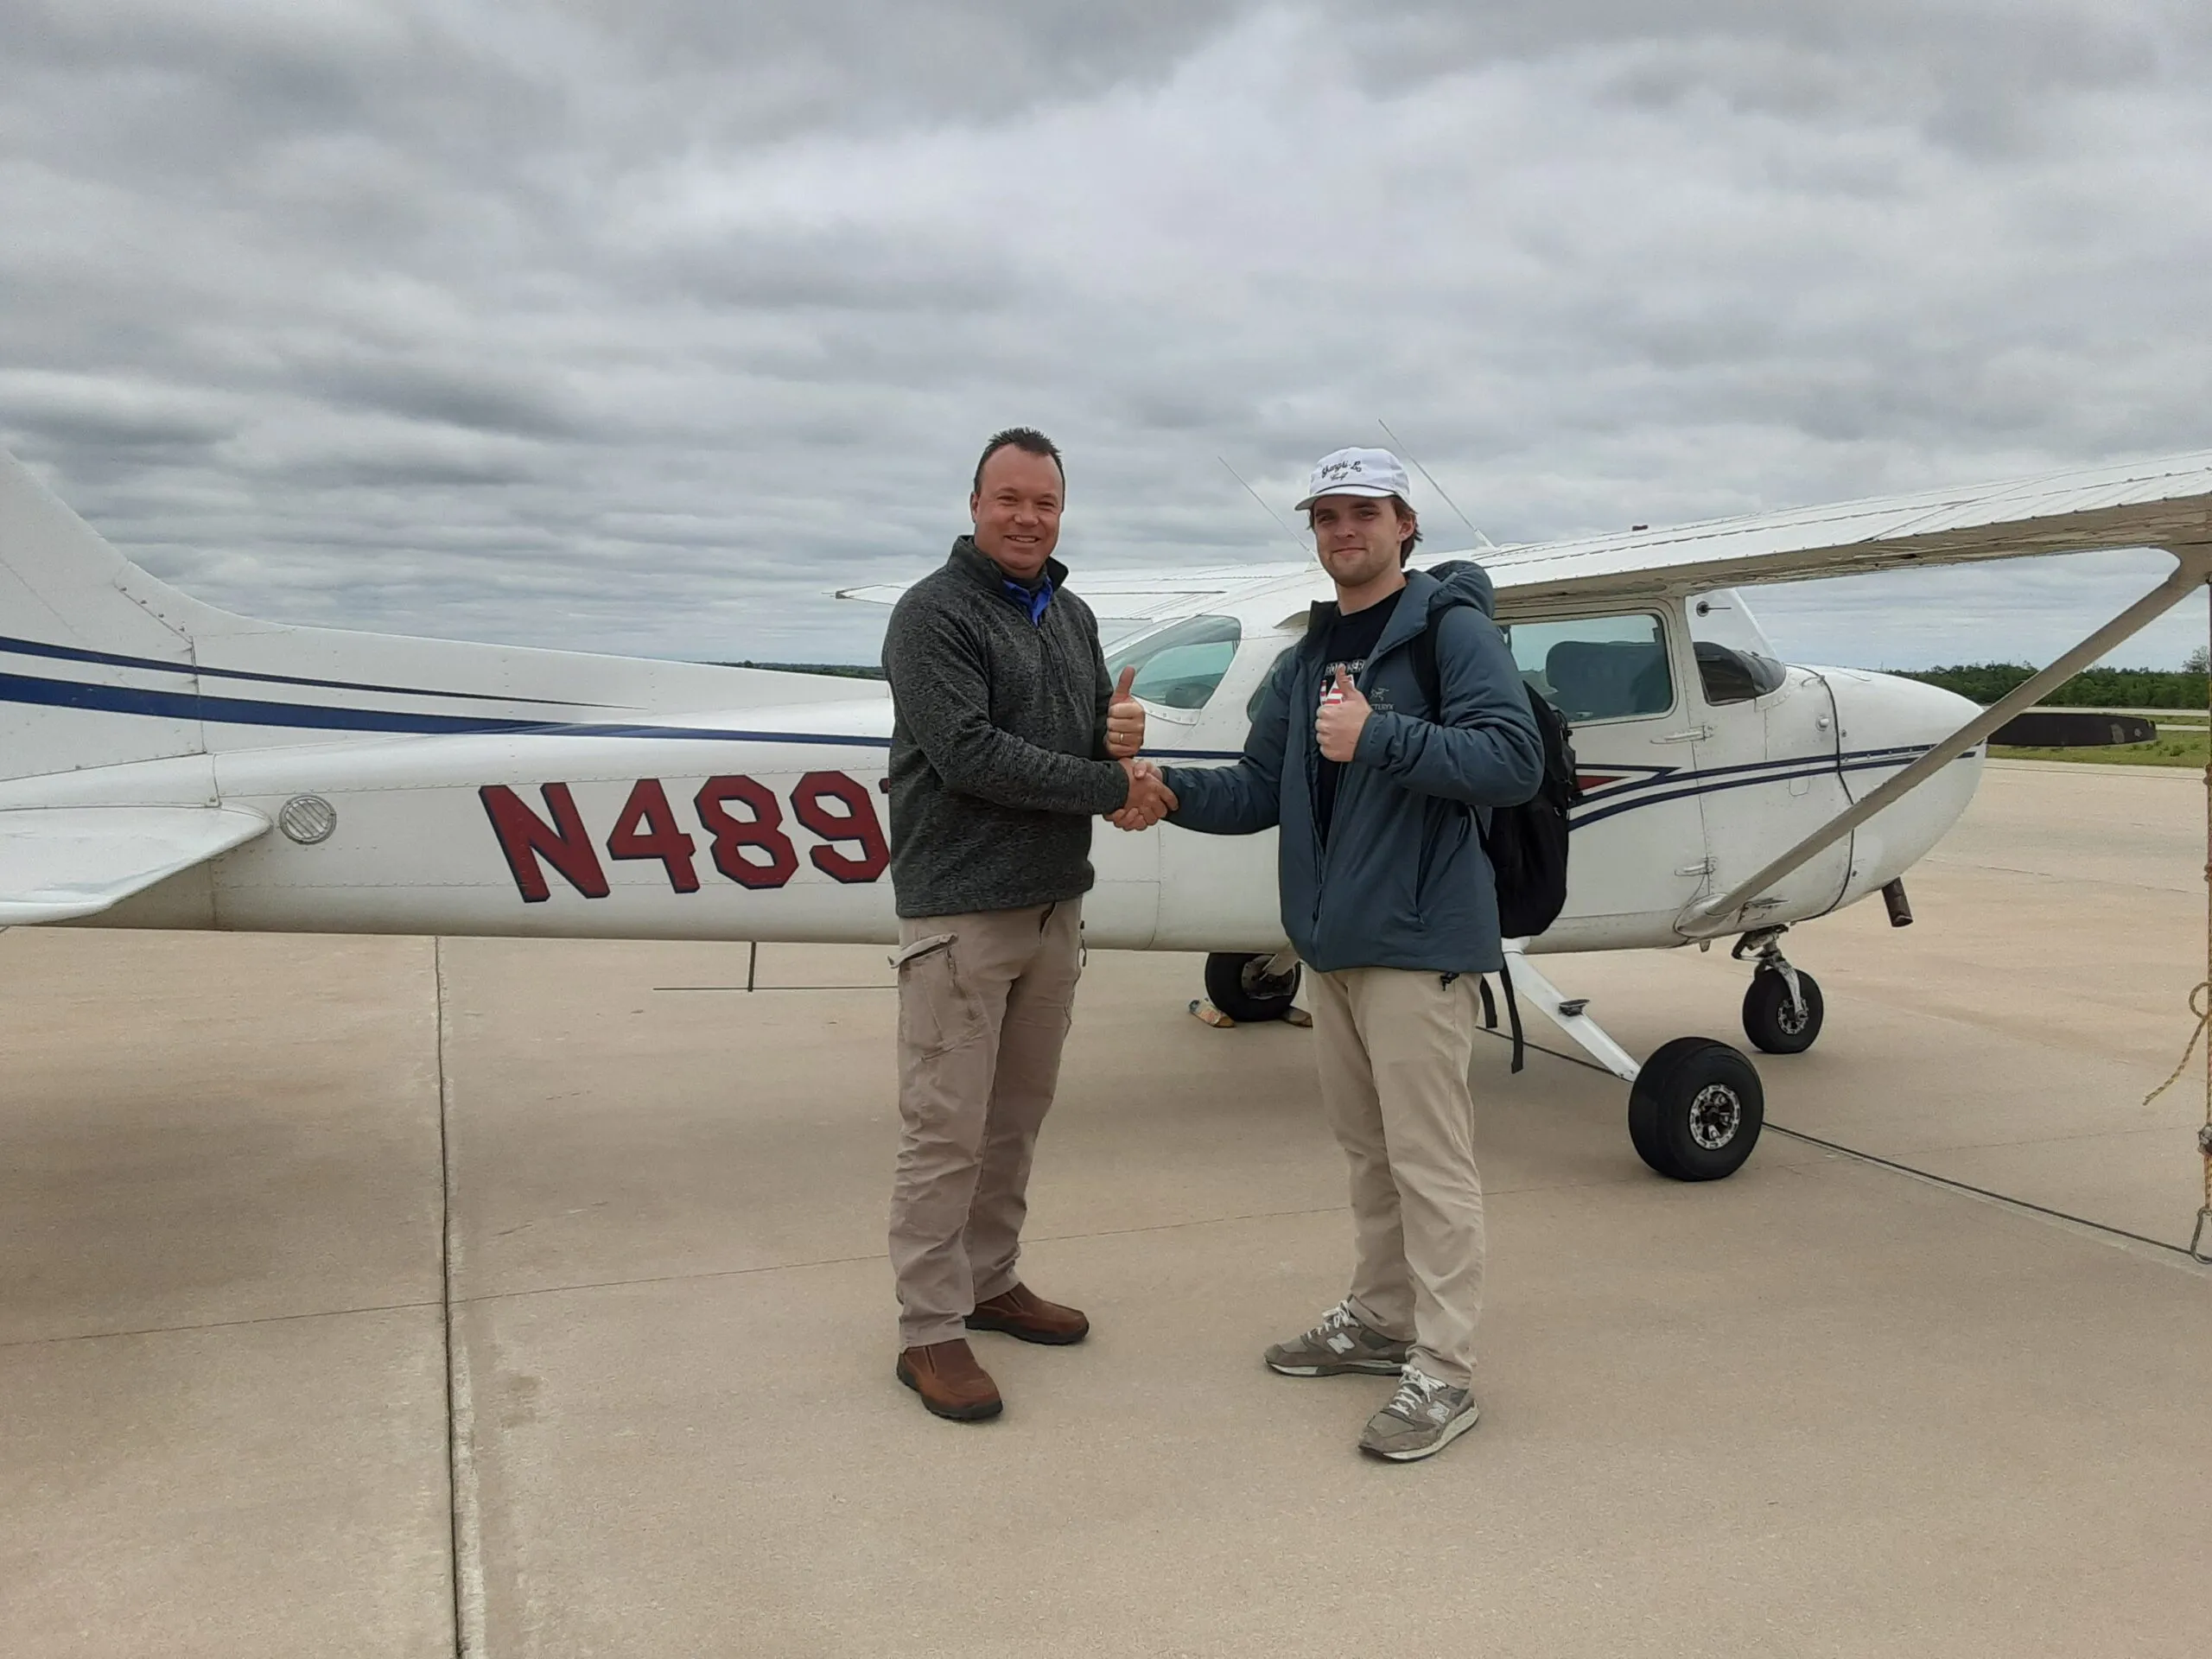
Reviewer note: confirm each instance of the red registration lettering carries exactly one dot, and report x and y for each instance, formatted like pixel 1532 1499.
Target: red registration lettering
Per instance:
pixel 648 829
pixel 735 838
pixel 524 838
pixel 857 823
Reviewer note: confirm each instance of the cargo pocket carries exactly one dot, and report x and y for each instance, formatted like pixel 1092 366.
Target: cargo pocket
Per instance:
pixel 937 1010
pixel 1075 978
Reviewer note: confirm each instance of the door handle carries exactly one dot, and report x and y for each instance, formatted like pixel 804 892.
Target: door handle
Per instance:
pixel 1695 734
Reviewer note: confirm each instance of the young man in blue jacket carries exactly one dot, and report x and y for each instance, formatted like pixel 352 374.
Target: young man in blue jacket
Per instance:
pixel 1388 898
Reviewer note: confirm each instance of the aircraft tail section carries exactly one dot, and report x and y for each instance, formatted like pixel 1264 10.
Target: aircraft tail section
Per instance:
pixel 101 663
pixel 70 623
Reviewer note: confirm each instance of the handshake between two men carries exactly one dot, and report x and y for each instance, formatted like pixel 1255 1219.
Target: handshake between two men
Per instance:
pixel 1337 725
pixel 1150 799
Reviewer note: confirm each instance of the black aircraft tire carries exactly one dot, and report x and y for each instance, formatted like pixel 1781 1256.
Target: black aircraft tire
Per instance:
pixel 1695 1110
pixel 1772 1024
pixel 1227 989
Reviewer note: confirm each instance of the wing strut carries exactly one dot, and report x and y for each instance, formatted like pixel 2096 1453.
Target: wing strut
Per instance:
pixel 2193 568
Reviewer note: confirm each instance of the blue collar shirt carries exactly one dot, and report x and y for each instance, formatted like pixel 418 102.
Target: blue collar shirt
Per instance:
pixel 1034 602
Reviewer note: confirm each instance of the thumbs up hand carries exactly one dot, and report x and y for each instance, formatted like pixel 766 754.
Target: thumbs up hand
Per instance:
pixel 1124 719
pixel 1343 717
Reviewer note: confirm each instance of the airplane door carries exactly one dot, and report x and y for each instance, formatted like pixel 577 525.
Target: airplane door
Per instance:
pixel 1639 854
pixel 1768 776
pixel 1173 885
pixel 1216 893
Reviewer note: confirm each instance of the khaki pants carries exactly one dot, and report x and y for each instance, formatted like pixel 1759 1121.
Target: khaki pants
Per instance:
pixel 983 1009
pixel 1393 1050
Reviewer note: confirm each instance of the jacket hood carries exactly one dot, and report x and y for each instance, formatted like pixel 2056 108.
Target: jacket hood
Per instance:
pixel 1427 593
pixel 1430 592
pixel 1459 581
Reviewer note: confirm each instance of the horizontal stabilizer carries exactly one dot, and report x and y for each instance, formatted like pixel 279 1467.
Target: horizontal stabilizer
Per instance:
pixel 60 862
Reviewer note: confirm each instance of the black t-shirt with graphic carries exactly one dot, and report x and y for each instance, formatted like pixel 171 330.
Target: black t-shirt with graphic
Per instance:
pixel 1351 640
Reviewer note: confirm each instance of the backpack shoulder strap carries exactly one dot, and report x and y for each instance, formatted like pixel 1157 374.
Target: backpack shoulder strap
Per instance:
pixel 1513 1016
pixel 1423 654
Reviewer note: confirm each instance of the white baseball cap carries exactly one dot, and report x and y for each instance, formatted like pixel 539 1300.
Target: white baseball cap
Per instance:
pixel 1356 472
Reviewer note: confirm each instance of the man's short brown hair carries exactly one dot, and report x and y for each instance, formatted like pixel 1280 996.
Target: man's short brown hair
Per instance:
pixel 1026 439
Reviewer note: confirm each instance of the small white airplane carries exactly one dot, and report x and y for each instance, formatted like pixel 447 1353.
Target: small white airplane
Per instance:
pixel 164 764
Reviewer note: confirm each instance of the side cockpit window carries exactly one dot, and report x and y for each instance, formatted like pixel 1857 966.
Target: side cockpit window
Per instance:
pixel 1597 667
pixel 1179 666
pixel 1734 662
pixel 1730 674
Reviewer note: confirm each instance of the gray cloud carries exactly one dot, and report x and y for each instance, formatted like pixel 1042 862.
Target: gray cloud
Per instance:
pixel 640 326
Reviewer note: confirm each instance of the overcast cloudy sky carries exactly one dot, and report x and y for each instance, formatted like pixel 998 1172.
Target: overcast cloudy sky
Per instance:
pixel 638 326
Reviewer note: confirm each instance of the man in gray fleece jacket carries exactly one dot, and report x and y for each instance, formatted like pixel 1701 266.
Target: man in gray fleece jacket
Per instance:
pixel 1005 742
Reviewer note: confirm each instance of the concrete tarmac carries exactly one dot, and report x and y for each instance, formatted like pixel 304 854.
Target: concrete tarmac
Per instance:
pixel 392 1297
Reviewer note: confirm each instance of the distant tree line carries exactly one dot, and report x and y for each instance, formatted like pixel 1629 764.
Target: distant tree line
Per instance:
pixel 2095 688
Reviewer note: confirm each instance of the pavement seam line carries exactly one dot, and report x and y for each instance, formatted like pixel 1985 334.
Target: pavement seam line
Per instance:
pixel 216 1325
pixel 1927 1175
pixel 464 1502
pixel 1989 1194
pixel 1039 1238
pixel 2048 875
pixel 875 1255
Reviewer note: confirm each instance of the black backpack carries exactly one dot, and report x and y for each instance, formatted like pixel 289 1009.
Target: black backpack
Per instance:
pixel 1527 844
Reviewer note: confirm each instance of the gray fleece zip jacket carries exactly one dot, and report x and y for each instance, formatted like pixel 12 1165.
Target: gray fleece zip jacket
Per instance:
pixel 1401 880
pixel 998 742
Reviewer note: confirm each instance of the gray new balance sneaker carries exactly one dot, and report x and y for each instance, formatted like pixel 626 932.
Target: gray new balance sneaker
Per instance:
pixel 1338 1344
pixel 1422 1418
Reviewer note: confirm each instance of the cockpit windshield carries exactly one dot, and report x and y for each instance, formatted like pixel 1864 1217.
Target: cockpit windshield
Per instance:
pixel 1734 662
pixel 1178 666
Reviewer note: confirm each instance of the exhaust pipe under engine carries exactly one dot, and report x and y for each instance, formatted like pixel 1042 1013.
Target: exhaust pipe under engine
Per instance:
pixel 1899 906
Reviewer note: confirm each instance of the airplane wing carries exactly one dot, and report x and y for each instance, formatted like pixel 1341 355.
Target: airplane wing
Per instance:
pixel 1140 595
pixel 60 862
pixel 2144 504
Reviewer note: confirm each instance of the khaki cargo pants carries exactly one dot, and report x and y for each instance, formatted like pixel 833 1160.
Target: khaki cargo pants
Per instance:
pixel 984 1001
pixel 1393 1050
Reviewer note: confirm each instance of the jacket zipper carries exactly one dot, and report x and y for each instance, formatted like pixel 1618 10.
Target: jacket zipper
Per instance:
pixel 1363 681
pixel 1309 755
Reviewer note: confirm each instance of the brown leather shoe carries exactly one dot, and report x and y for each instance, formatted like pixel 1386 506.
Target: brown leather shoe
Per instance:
pixel 949 1381
pixel 1022 1312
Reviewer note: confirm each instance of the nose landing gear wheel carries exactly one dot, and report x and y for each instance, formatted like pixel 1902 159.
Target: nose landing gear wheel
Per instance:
pixel 1237 986
pixel 1773 1023
pixel 1695 1110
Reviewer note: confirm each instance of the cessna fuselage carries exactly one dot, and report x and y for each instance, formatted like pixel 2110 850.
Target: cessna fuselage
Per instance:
pixel 1701 756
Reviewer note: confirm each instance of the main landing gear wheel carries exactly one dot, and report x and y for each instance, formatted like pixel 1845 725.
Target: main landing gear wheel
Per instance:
pixel 1775 1023
pixel 1696 1110
pixel 1241 987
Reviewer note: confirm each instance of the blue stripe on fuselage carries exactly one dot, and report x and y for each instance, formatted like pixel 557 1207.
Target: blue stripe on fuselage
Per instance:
pixel 244 711
pixel 1664 785
pixel 150 664
pixel 1722 780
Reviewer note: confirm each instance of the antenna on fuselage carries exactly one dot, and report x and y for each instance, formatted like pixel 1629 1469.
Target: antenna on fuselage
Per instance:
pixel 1303 550
pixel 1432 484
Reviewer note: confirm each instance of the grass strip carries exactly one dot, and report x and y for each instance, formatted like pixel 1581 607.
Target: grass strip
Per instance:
pixel 2171 749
